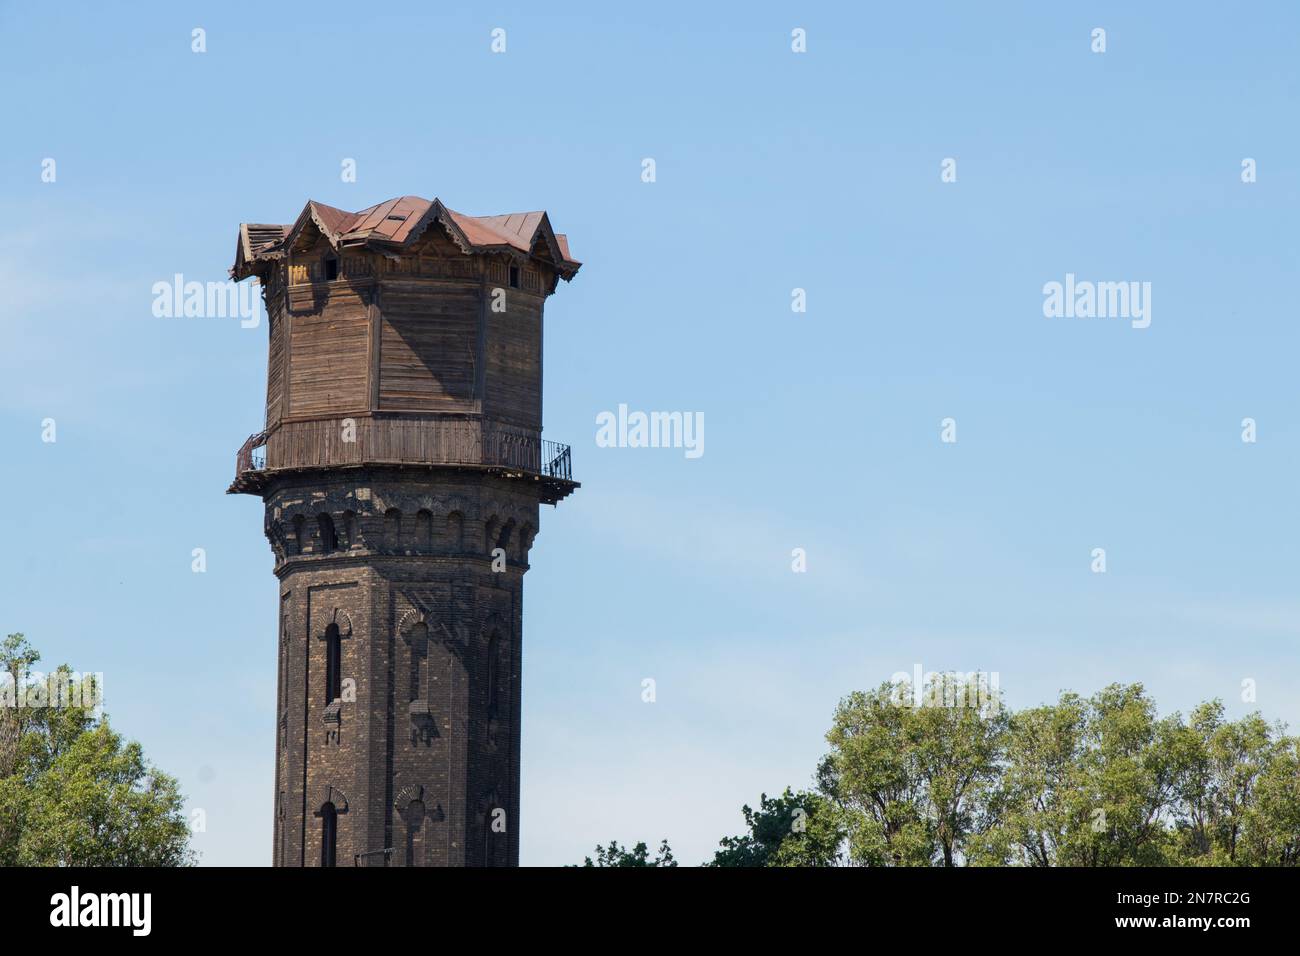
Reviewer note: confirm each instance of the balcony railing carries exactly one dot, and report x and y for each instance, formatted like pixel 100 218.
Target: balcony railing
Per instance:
pixel 321 444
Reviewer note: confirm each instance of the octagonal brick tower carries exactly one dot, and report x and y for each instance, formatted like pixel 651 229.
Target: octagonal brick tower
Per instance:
pixel 402 466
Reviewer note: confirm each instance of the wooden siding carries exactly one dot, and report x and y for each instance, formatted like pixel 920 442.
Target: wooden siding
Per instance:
pixel 275 362
pixel 410 439
pixel 329 350
pixel 322 443
pixel 514 361
pixel 428 341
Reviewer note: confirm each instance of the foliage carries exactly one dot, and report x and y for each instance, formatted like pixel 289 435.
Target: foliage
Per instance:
pixel 953 778
pixel 639 855
pixel 913 781
pixel 794 829
pixel 72 792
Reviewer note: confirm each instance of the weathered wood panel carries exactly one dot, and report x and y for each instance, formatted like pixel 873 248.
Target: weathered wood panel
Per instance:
pixel 514 361
pixel 275 362
pixel 327 366
pixel 428 345
pixel 323 443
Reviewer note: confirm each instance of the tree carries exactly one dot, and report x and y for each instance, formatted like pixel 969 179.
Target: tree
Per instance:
pixel 1271 835
pixel 1036 802
pixel 639 855
pixel 1104 782
pixel 72 792
pixel 953 779
pixel 1087 783
pixel 912 780
pixel 1239 792
pixel 794 829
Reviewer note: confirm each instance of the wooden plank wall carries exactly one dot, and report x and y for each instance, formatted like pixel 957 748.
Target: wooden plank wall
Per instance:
pixel 422 339
pixel 514 361
pixel 329 351
pixel 428 339
pixel 275 361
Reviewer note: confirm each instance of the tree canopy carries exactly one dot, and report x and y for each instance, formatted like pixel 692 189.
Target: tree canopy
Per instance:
pixel 639 855
pixel 72 791
pixel 950 778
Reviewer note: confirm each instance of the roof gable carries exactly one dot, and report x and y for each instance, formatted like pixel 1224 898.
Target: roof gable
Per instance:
pixel 399 222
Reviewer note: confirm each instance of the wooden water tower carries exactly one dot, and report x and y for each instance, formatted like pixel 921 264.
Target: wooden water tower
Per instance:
pixel 402 465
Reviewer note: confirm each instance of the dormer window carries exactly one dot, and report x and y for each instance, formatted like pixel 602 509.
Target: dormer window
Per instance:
pixel 331 268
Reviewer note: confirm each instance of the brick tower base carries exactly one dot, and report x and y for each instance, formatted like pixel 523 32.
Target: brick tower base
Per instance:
pixel 399 670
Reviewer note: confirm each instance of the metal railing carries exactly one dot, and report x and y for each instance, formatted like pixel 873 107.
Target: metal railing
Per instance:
pixel 557 460
pixel 318 444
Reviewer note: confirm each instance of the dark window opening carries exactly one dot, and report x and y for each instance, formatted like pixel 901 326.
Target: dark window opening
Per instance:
pixel 331 269
pixel 514 277
pixel 333 664
pixel 329 834
pixel 419 640
pixel 503 539
pixel 423 530
pixel 414 822
pixel 329 541
pixel 392 529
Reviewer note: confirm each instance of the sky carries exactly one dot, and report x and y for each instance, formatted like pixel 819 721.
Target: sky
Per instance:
pixel 774 170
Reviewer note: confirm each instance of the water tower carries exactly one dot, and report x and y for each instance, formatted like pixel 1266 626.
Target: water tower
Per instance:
pixel 402 464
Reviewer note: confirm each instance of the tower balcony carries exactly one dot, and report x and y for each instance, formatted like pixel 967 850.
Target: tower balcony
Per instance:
pixel 403 442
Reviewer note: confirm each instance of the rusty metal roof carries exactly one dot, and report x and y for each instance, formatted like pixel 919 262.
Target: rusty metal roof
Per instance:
pixel 399 222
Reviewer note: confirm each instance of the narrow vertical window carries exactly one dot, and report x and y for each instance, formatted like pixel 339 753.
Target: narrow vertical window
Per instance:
pixel 333 664
pixel 455 527
pixel 329 541
pixel 329 834
pixel 414 826
pixel 419 642
pixel 503 539
pixel 331 269
pixel 284 670
pixel 423 531
pixel 392 529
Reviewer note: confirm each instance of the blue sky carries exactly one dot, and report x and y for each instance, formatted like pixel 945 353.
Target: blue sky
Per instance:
pixel 775 170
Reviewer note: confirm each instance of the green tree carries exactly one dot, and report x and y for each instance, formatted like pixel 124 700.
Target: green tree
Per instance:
pixel 794 829
pixel 1271 835
pixel 1221 763
pixel 1126 781
pixel 1037 801
pixel 913 780
pixel 1088 783
pixel 72 792
pixel 1105 782
pixel 1239 792
pixel 639 855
